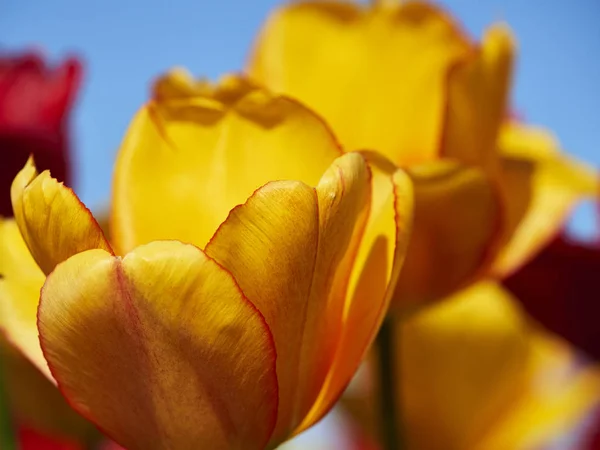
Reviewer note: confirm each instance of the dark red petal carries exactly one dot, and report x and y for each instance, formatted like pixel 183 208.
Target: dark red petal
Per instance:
pixel 560 288
pixel 35 102
pixel 30 439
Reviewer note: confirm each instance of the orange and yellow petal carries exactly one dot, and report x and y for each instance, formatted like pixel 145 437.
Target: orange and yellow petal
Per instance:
pixel 160 348
pixel 53 222
pixel 541 187
pixel 457 224
pixel 291 247
pixel 377 73
pixel 197 150
pixel 373 278
pixel 462 364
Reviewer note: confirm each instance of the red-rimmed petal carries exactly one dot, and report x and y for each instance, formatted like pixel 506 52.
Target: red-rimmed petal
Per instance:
pixel 52 220
pixel 160 349
pixel 291 249
pixel 372 282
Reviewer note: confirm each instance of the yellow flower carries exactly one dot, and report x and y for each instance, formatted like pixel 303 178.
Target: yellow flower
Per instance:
pixel 401 79
pixel 474 373
pixel 205 324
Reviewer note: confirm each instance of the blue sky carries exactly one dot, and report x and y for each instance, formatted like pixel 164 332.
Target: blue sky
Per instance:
pixel 125 44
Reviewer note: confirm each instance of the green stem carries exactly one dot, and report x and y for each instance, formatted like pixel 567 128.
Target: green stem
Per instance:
pixel 391 434
pixel 7 431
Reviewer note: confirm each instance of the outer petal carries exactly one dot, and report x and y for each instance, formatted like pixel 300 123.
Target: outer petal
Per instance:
pixel 456 227
pixel 160 349
pixel 20 282
pixel 541 186
pixel 462 364
pixel 377 74
pixel 53 221
pixel 374 276
pixel 477 101
pixel 560 395
pixel 291 248
pixel 200 150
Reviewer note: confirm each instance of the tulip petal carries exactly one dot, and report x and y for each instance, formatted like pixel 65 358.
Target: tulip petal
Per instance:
pixel 461 364
pixel 160 349
pixel 559 288
pixel 35 105
pixel 374 275
pixel 20 283
pixel 560 395
pixel 378 75
pixel 477 100
pixel 52 220
pixel 291 248
pixel 456 226
pixel 541 187
pixel 198 151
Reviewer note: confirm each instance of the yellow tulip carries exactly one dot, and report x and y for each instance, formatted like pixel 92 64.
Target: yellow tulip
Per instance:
pixel 473 373
pixel 401 79
pixel 229 310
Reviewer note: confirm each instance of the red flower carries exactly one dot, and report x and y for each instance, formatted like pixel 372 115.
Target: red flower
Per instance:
pixel 560 288
pixel 34 106
pixel 30 439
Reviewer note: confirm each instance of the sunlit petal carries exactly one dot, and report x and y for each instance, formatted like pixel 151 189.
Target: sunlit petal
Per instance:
pixel 376 270
pixel 378 75
pixel 197 150
pixel 477 101
pixel 160 349
pixel 541 188
pixel 291 248
pixel 20 283
pixel 52 220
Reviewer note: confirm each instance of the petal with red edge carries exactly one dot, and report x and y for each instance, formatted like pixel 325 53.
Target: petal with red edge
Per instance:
pixel 373 278
pixel 291 247
pixel 53 221
pixel 161 349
